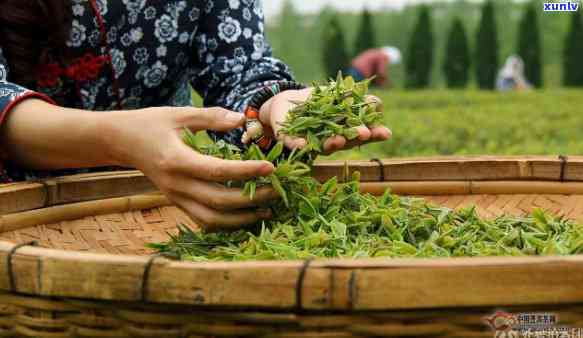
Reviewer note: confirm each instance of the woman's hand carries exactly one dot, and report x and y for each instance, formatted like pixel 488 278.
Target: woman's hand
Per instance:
pixel 150 140
pixel 146 139
pixel 274 113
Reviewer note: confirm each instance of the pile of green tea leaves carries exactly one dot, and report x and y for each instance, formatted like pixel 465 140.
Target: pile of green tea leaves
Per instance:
pixel 336 109
pixel 335 220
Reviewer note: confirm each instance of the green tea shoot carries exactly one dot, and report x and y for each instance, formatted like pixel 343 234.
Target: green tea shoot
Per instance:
pixel 335 220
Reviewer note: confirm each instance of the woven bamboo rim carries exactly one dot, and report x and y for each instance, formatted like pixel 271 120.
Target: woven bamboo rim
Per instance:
pixel 326 296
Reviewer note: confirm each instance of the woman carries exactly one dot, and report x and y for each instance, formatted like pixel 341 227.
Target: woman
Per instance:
pixel 101 83
pixel 375 62
pixel 511 76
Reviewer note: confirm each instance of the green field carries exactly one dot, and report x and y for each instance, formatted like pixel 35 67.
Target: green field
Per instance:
pixel 446 122
pixel 296 38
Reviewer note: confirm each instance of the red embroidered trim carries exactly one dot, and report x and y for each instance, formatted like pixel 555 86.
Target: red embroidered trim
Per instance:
pixel 81 69
pixel 85 68
pixel 49 75
pixel 21 98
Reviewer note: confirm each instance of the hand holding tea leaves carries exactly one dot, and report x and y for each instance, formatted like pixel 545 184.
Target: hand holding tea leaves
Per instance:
pixel 342 103
pixel 194 181
pixel 336 220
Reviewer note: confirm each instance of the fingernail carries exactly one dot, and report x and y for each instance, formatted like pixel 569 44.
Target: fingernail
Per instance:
pixel 387 134
pixel 364 134
pixel 266 169
pixel 234 117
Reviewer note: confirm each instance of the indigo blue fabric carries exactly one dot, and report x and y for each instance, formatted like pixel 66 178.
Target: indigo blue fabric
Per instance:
pixel 158 51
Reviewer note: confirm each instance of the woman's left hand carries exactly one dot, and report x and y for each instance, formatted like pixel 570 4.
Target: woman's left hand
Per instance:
pixel 274 113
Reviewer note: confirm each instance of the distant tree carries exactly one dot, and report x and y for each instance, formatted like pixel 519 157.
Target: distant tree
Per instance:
pixel 457 56
pixel 529 46
pixel 366 37
pixel 487 48
pixel 573 53
pixel 334 55
pixel 420 52
pixel 291 46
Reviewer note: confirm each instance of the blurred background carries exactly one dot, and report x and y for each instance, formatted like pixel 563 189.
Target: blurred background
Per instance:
pixel 296 28
pixel 497 77
pixel 443 98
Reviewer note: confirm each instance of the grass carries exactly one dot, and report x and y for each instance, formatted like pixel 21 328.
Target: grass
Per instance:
pixel 444 122
pixel 448 122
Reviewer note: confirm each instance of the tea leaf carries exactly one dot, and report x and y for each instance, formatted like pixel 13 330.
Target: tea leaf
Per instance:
pixel 336 220
pixel 275 152
pixel 280 190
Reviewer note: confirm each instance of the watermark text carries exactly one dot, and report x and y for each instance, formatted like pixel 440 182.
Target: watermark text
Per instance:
pixel 565 6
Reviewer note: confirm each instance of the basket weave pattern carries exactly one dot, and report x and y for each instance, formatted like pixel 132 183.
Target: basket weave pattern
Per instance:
pixel 78 319
pixel 97 279
pixel 123 233
pixel 128 232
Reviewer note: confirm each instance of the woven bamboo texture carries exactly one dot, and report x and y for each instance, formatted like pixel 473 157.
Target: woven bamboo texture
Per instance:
pixel 128 232
pixel 91 275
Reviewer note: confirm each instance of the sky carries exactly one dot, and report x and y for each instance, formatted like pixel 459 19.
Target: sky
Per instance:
pixel 272 7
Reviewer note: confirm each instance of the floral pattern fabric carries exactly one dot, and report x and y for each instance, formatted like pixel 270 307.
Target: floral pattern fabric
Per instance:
pixel 158 50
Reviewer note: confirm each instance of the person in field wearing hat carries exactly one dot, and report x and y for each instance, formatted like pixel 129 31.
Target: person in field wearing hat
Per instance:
pixel 375 62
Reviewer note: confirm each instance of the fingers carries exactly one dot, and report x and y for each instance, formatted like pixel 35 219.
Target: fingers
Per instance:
pixel 219 197
pixel 212 220
pixel 275 112
pixel 334 143
pixel 339 142
pixel 213 169
pixel 189 179
pixel 380 133
pixel 185 161
pixel 365 136
pixel 218 119
pixel 278 111
pixel 294 142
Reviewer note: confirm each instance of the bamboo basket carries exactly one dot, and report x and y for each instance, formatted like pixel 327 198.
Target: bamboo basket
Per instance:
pixel 91 276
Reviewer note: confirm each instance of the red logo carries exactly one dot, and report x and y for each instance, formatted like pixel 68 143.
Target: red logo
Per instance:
pixel 502 321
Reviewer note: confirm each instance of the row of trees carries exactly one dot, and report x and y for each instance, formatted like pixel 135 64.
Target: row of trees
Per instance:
pixel 459 60
pixel 458 57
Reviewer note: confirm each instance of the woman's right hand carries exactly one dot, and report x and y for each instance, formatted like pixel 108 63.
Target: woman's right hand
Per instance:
pixel 150 140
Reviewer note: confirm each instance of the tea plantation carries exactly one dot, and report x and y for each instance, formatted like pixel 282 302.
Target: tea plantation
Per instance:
pixel 444 122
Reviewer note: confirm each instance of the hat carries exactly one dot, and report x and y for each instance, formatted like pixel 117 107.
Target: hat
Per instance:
pixel 393 53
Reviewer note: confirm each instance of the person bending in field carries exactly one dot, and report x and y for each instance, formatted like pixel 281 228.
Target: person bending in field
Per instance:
pixel 511 76
pixel 105 83
pixel 375 62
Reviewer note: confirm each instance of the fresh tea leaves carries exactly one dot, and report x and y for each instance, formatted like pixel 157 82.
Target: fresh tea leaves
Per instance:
pixel 334 109
pixel 336 220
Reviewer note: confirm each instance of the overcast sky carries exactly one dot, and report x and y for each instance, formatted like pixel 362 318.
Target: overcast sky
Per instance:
pixel 272 7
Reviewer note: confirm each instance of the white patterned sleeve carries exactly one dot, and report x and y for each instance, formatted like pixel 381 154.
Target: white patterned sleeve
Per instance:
pixel 233 59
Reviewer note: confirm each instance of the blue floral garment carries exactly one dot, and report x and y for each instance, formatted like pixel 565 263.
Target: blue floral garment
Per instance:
pixel 154 50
